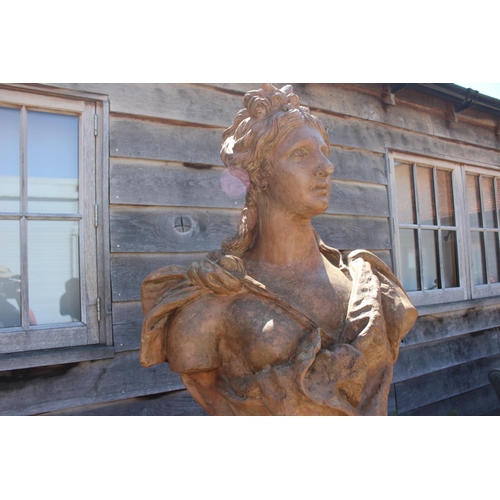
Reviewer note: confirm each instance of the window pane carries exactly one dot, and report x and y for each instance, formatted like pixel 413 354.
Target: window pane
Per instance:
pixel 430 260
pixel 9 159
pixel 445 198
pixel 473 200
pixel 409 259
pixel 10 271
pixel 488 202
pixel 492 256
pixel 426 207
pixel 52 163
pixel 54 276
pixel 405 193
pixel 450 261
pixel 478 264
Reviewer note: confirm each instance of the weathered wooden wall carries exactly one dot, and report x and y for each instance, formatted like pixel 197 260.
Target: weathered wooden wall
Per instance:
pixel 165 165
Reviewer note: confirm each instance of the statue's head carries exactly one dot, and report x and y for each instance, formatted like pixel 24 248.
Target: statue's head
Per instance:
pixel 269 115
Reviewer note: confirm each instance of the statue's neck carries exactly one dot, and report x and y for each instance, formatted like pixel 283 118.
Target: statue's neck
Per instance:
pixel 285 241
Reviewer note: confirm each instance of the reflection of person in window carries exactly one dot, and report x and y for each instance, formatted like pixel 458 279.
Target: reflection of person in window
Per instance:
pixel 10 288
pixel 70 301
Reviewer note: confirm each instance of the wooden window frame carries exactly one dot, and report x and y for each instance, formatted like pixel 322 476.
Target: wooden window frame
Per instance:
pixel 91 338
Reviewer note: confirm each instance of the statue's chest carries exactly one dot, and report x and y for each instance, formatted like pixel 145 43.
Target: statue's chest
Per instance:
pixel 265 332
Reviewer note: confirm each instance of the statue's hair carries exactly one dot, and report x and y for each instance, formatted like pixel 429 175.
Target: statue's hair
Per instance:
pixel 269 114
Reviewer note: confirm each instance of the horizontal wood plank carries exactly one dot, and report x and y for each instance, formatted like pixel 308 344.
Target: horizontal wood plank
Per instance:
pixel 376 137
pixel 38 390
pixel 345 232
pixel 348 198
pixel 438 326
pixel 129 271
pixel 425 117
pixel 148 229
pixel 418 360
pixel 154 183
pixel 142 139
pixel 48 357
pixel 178 403
pixel 171 101
pixel 421 391
pixel 478 402
pixel 356 165
pixel 127 324
pixel 414 110
pixel 39 338
pixel 132 138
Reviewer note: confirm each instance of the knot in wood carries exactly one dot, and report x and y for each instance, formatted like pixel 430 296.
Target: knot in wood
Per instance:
pixel 183 224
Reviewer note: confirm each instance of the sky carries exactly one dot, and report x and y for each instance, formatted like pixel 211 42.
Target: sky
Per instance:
pixel 490 89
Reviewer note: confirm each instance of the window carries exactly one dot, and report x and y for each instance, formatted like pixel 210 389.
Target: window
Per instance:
pixel 483 209
pixel 49 164
pixel 446 228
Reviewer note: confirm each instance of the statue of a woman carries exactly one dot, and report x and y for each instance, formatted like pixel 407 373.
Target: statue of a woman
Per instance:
pixel 275 323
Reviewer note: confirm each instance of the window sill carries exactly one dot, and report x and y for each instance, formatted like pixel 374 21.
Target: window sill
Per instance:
pixel 424 310
pixel 48 357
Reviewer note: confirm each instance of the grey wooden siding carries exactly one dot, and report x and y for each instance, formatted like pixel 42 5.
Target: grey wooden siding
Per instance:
pixel 165 165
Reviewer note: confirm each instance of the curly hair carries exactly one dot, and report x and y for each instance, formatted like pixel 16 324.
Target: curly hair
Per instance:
pixel 269 114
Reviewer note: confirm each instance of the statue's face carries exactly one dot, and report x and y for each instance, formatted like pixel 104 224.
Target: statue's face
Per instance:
pixel 300 179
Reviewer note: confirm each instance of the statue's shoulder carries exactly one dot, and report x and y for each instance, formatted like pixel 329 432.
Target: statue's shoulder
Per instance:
pixel 192 296
pixel 400 314
pixel 377 264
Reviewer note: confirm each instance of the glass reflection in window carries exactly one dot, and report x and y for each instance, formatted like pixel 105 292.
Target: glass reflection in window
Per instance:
pixel 52 163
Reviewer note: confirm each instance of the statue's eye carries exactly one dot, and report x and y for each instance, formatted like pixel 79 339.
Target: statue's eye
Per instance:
pixel 299 153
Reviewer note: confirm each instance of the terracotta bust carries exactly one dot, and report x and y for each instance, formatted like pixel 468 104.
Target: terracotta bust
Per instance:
pixel 275 322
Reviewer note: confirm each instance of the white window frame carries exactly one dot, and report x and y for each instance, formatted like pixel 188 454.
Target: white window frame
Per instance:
pixel 67 342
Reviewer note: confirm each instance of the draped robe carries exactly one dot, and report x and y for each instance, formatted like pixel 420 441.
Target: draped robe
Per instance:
pixel 351 377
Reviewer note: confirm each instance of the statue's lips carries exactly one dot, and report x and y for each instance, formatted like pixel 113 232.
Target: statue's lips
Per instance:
pixel 321 189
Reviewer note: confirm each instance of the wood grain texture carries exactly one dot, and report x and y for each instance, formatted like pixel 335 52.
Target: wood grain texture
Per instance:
pixel 67 335
pixel 478 402
pixel 376 137
pixel 161 183
pixel 349 198
pixel 33 391
pixel 426 117
pixel 414 110
pixel 345 232
pixel 422 391
pixel 148 229
pixel 128 271
pixel 356 165
pixel 418 360
pixel 127 324
pixel 178 403
pixel 439 326
pixel 47 357
pixel 132 138
pixel 171 101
